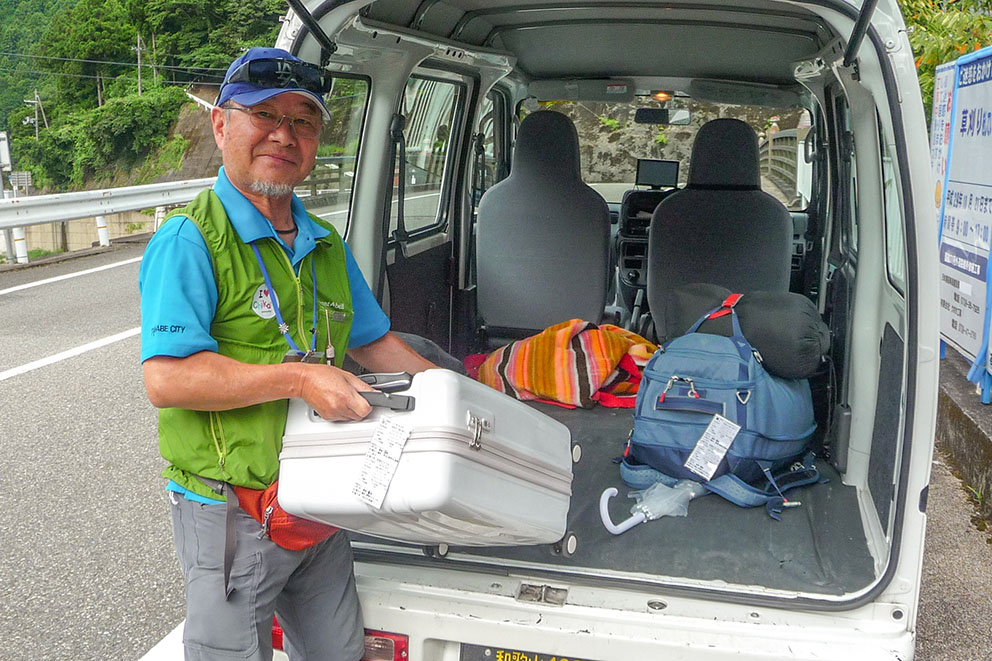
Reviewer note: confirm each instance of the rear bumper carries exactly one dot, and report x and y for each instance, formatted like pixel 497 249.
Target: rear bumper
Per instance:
pixel 614 625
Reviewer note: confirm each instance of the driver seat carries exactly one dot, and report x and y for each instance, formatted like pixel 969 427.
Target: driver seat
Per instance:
pixel 543 236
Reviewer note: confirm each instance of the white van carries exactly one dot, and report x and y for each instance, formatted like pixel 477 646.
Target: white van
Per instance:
pixel 831 88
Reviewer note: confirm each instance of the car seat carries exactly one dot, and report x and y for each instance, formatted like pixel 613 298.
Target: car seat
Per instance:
pixel 543 236
pixel 721 229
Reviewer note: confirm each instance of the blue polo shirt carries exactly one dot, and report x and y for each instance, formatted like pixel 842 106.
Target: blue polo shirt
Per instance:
pixel 177 284
pixel 179 293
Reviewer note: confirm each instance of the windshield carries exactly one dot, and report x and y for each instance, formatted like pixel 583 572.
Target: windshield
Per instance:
pixel 610 142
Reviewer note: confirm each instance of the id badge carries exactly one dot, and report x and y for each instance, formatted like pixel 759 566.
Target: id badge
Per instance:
pixel 313 357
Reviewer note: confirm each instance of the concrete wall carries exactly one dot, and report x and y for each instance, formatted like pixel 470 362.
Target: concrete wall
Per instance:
pixel 964 430
pixel 81 233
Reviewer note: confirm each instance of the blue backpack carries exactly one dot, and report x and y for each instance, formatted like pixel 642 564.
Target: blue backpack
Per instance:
pixel 696 376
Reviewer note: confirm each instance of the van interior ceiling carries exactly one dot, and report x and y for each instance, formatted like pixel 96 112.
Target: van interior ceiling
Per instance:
pixel 499 61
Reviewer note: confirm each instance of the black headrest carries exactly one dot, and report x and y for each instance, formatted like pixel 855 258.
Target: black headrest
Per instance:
pixel 547 146
pixel 725 156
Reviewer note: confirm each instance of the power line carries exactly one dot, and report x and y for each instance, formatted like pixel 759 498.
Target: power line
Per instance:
pixel 48 73
pixel 123 64
pixel 80 75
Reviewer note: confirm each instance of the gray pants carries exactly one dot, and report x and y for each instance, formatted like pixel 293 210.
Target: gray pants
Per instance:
pixel 311 591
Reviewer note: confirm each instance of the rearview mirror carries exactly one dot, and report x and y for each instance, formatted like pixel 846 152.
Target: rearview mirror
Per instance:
pixel 673 116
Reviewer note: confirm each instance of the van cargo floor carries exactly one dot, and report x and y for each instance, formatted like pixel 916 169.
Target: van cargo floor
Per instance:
pixel 819 547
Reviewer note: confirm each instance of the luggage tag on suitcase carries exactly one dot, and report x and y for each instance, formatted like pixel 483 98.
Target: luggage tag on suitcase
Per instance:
pixel 712 446
pixel 381 459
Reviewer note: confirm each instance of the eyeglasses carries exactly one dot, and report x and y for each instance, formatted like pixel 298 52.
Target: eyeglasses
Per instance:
pixel 266 120
pixel 277 73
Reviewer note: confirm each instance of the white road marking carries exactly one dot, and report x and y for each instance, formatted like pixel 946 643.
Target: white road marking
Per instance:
pixel 68 275
pixel 70 353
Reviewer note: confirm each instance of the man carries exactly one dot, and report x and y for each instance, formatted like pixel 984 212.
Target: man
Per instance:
pixel 243 294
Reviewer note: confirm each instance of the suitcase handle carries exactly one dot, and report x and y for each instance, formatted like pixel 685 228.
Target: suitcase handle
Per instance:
pixel 389 400
pixel 388 381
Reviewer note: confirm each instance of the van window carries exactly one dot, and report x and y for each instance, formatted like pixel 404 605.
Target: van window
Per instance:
pixel 610 142
pixel 895 248
pixel 430 107
pixel 331 183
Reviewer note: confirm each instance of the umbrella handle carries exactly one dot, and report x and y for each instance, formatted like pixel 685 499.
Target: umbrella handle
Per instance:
pixel 604 514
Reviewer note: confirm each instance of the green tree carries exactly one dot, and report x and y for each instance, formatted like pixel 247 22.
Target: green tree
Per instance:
pixel 97 31
pixel 22 22
pixel 182 28
pixel 943 30
pixel 202 34
pixel 248 24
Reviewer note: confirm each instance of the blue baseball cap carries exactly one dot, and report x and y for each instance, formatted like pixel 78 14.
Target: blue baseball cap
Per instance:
pixel 262 73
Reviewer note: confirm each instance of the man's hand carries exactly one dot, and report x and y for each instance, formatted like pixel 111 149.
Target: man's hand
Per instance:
pixel 333 393
pixel 208 381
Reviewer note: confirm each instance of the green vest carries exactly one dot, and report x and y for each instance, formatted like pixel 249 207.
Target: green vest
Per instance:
pixel 242 446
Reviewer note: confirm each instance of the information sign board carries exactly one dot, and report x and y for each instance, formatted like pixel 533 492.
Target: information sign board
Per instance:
pixel 966 214
pixel 21 179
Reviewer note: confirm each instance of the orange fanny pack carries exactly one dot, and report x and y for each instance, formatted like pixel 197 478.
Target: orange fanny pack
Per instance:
pixel 285 529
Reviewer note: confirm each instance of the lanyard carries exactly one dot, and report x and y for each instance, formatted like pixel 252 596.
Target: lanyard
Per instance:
pixel 283 326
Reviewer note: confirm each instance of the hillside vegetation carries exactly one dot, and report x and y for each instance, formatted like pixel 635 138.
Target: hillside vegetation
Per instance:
pixel 81 56
pixel 94 128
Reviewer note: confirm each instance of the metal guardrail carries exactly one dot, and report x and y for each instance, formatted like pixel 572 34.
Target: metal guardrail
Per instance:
pixel 39 209
pixel 777 157
pixel 334 174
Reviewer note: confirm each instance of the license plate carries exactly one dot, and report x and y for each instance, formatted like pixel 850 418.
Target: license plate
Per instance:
pixel 494 653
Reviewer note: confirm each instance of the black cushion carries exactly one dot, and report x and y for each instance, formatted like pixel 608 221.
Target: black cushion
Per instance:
pixel 785 328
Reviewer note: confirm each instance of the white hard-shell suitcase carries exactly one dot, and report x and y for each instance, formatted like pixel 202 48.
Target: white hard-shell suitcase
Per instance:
pixel 478 468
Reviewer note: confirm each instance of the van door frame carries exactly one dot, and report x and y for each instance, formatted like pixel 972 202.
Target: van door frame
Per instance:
pixel 418 275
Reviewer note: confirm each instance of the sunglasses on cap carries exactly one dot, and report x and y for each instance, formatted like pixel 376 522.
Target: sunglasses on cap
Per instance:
pixel 278 73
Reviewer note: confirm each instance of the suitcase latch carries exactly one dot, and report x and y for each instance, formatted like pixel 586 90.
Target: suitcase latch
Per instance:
pixel 477 424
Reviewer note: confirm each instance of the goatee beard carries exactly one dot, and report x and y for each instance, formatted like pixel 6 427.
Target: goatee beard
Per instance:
pixel 270 189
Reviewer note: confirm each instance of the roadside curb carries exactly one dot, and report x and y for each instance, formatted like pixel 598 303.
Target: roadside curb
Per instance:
pixel 964 429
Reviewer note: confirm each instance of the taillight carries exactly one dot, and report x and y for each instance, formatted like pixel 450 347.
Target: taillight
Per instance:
pixel 276 634
pixel 379 645
pixel 383 646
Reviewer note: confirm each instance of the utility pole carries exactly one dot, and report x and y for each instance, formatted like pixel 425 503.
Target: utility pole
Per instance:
pixel 36 101
pixel 138 47
pixel 41 105
pixel 154 61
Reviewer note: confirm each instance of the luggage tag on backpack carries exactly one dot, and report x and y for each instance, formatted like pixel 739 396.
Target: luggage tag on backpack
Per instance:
pixel 712 446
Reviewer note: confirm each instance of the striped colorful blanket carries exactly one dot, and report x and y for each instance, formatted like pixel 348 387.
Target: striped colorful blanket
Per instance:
pixel 574 363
